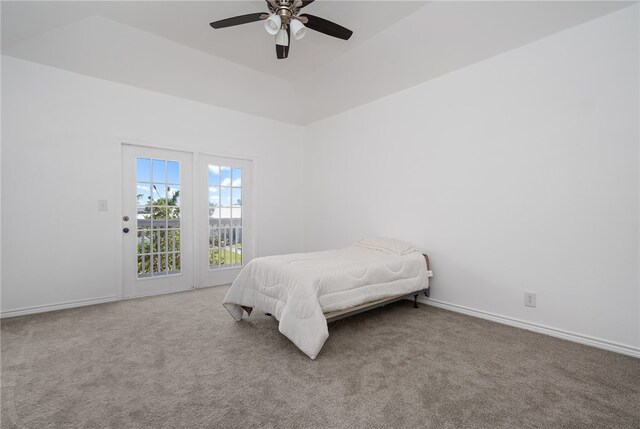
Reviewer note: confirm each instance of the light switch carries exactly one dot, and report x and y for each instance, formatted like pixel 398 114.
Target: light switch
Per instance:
pixel 102 205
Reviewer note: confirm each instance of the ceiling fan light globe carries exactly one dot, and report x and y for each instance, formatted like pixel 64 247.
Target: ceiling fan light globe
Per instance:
pixel 282 38
pixel 298 30
pixel 272 24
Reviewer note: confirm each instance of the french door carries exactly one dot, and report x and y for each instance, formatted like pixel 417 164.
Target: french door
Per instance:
pixel 225 227
pixel 163 207
pixel 157 221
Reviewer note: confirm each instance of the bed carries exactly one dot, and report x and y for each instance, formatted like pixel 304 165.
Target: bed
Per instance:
pixel 306 291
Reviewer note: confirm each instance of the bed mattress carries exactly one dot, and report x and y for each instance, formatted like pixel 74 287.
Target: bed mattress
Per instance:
pixel 298 288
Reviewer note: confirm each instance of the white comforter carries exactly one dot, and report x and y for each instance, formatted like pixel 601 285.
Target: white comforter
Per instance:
pixel 297 289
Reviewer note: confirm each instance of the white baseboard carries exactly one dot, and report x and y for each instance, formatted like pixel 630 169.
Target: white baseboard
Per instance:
pixel 83 302
pixel 52 307
pixel 534 327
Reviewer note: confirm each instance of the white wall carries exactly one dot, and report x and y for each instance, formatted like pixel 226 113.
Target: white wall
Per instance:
pixel 61 139
pixel 519 173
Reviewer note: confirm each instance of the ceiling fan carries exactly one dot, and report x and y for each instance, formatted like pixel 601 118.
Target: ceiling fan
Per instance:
pixel 283 19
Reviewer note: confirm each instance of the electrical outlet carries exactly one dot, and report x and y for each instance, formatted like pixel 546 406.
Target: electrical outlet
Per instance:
pixel 530 299
pixel 102 205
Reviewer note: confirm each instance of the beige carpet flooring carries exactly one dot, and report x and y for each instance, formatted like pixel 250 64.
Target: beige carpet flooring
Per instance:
pixel 180 361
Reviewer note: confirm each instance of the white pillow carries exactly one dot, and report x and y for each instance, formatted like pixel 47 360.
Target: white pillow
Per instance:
pixel 387 245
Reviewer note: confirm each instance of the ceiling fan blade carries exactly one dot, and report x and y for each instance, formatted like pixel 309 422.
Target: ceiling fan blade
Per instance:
pixel 327 27
pixel 238 20
pixel 306 3
pixel 282 51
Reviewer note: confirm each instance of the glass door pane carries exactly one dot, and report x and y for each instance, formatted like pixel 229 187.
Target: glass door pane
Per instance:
pixel 158 217
pixel 225 216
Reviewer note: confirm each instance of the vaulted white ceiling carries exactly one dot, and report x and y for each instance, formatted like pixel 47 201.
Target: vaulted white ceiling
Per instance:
pixel 187 22
pixel 168 47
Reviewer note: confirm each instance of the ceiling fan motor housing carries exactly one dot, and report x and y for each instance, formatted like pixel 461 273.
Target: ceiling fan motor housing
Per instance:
pixel 284 10
pixel 285 15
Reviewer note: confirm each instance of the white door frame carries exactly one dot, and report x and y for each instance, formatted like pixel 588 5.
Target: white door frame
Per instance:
pixel 119 209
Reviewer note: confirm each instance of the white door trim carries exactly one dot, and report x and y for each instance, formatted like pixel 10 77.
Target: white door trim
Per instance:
pixel 196 209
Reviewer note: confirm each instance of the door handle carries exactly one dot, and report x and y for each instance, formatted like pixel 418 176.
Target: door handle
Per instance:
pixel 125 230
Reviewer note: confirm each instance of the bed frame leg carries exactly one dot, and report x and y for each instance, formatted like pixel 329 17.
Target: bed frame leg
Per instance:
pixel 427 293
pixel 415 301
